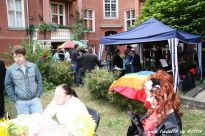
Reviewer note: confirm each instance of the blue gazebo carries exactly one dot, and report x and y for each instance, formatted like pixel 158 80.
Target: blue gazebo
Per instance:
pixel 153 30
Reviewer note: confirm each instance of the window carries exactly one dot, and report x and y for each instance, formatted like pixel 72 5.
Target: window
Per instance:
pixel 89 20
pixel 110 9
pixel 15 13
pixel 58 13
pixel 129 18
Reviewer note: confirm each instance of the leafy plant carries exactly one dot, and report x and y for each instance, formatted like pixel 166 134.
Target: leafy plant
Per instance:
pixel 77 28
pixel 35 52
pixel 62 27
pixel 98 82
pixel 42 27
pixel 31 30
pixel 52 27
pixel 55 73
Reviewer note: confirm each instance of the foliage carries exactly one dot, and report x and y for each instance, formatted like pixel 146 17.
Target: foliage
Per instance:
pixel 186 15
pixel 55 73
pixel 47 86
pixel 98 82
pixel 62 27
pixel 42 27
pixel 18 130
pixel 77 27
pixel 35 52
pixel 7 58
pixel 31 30
pixel 127 104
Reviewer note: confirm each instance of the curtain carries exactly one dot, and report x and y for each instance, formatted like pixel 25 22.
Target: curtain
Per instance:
pixel 199 52
pixel 173 50
pixel 100 51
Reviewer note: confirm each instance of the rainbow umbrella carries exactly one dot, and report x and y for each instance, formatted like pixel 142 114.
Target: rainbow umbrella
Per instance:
pixel 71 43
pixel 132 85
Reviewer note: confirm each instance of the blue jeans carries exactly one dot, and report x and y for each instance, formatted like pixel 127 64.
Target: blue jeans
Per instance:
pixel 29 106
pixel 77 72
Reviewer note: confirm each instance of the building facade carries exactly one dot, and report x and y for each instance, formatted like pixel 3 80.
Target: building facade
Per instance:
pixel 107 17
pixel 100 17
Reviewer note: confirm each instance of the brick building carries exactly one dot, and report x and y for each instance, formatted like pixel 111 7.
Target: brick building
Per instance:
pixel 101 17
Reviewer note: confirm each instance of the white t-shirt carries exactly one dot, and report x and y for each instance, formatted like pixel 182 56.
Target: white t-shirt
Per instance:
pixel 67 56
pixel 66 113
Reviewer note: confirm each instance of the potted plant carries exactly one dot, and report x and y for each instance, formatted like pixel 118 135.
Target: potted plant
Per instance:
pixel 43 31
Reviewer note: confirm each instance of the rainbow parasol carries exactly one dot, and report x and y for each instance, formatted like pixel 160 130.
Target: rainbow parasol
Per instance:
pixel 132 85
pixel 70 44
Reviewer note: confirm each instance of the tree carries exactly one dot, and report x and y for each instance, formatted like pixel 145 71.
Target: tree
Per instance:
pixel 186 15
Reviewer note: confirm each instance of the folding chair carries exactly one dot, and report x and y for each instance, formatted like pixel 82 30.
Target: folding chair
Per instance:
pixel 95 115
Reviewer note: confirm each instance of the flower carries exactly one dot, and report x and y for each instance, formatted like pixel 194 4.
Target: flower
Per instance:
pixel 84 126
pixel 152 83
pixel 148 85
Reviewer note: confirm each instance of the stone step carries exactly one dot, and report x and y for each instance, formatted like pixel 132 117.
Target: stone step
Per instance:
pixel 192 98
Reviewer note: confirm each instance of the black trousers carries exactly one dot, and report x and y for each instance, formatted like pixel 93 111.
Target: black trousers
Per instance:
pixel 2 109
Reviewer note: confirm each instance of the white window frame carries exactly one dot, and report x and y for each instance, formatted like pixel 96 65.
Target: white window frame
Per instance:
pixel 117 10
pixel 23 15
pixel 130 19
pixel 64 16
pixel 93 19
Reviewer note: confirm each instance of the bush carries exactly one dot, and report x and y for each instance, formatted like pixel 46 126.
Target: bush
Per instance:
pixel 126 103
pixel 98 83
pixel 55 72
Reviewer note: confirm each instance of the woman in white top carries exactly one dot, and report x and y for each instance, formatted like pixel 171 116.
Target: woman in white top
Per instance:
pixel 65 106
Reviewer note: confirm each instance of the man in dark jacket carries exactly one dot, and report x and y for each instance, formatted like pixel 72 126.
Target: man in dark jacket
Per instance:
pixel 117 61
pixel 135 63
pixel 2 78
pixel 89 61
pixel 75 64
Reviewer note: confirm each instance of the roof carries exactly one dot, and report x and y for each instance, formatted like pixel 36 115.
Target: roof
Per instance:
pixel 150 30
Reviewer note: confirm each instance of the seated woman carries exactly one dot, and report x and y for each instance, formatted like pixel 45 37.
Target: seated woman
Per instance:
pixel 67 108
pixel 163 118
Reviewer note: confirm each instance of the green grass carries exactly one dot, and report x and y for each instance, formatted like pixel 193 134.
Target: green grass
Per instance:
pixel 114 122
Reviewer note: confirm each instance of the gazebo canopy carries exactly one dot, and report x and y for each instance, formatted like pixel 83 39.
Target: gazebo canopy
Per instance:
pixel 153 30
pixel 149 31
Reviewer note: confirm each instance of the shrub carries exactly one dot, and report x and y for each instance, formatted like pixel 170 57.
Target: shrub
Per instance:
pixel 98 82
pixel 126 104
pixel 55 72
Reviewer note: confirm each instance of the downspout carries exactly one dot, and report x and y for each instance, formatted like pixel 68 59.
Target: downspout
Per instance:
pixel 27 12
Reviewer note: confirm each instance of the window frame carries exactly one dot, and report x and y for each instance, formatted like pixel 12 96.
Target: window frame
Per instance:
pixel 15 15
pixel 130 19
pixel 117 10
pixel 93 19
pixel 58 15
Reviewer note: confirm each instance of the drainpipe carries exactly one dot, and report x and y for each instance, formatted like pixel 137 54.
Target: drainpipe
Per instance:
pixel 27 12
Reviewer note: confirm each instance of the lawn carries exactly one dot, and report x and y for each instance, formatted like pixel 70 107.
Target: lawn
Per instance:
pixel 115 122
